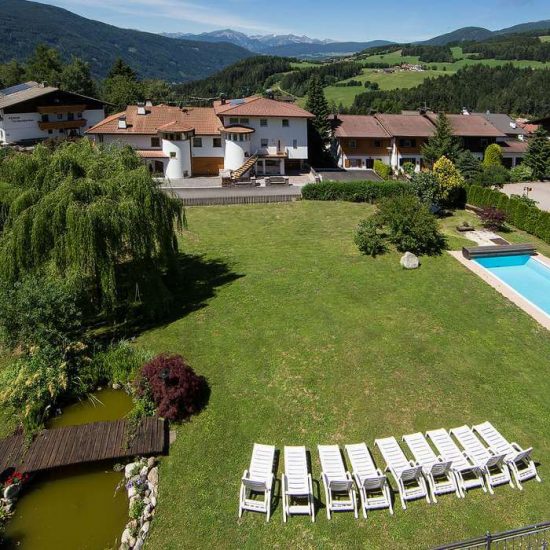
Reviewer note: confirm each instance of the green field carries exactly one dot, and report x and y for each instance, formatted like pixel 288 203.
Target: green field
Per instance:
pixel 305 341
pixel 404 79
pixel 544 38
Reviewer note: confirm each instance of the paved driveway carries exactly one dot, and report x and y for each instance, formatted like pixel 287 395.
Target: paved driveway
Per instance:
pixel 540 192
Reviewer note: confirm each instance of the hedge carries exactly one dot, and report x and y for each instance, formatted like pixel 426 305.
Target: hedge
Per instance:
pixel 354 191
pixel 523 216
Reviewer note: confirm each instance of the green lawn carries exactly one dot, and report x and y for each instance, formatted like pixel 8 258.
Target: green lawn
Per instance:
pixel 544 38
pixel 304 341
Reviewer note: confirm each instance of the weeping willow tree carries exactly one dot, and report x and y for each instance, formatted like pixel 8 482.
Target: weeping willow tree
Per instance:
pixel 92 216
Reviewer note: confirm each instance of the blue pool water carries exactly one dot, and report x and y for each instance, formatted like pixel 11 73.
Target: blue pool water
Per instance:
pixel 525 275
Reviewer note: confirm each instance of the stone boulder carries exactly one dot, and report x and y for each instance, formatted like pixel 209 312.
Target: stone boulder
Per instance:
pixel 409 261
pixel 153 476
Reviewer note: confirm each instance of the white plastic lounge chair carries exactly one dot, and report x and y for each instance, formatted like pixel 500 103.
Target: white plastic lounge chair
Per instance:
pixel 339 490
pixel 372 483
pixel 297 484
pixel 491 464
pixel 407 474
pixel 258 479
pixel 518 460
pixel 468 474
pixel 438 472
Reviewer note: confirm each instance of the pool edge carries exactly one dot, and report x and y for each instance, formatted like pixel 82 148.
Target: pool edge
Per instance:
pixel 504 289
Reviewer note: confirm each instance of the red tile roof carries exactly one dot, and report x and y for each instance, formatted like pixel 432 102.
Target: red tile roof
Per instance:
pixel 260 106
pixel 513 146
pixel 470 126
pixel 406 125
pixel 358 126
pixel 161 118
pixel 237 129
pixel 151 154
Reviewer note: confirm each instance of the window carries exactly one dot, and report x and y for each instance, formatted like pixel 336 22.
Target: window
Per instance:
pixel 264 143
pixel 59 116
pixel 377 143
pixel 356 163
pixel 70 116
pixel 197 142
pixel 172 154
pixel 295 144
pixel 155 142
pixel 484 143
pixel 51 132
pixel 79 115
pixel 263 122
pixel 217 142
pixel 100 138
pixel 233 120
pixel 353 144
pixel 244 121
pixel 241 137
pixel 285 123
pixel 45 118
pixel 407 143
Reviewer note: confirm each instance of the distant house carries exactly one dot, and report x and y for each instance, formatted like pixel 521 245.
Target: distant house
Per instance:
pixel 514 144
pixel 395 139
pixel 31 112
pixel 253 133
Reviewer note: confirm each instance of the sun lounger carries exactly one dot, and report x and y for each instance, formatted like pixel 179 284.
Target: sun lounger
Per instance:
pixel 297 484
pixel 407 474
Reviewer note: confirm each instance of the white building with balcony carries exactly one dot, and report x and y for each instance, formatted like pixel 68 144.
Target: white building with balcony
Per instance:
pixel 31 112
pixel 253 134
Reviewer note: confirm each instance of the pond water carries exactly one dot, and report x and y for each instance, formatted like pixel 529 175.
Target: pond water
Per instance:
pixel 74 507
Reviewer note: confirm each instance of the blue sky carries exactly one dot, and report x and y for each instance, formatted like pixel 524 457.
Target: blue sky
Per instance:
pixel 358 20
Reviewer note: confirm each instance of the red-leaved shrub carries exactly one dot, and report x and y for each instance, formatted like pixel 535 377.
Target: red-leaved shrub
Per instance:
pixel 492 218
pixel 173 386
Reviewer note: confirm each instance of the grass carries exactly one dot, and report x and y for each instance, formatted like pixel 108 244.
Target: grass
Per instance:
pixel 313 343
pixel 544 38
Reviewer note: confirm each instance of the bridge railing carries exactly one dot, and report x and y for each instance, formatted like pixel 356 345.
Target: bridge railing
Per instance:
pixel 532 537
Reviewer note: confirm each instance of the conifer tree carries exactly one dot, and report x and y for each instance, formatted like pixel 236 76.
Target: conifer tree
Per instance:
pixel 493 155
pixel 538 154
pixel 44 65
pixel 318 106
pixel 442 144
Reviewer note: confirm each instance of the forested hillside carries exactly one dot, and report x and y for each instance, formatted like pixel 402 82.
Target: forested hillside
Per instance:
pixel 24 25
pixel 522 46
pixel 505 89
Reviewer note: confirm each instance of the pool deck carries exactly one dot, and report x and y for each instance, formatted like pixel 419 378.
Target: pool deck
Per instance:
pixel 504 289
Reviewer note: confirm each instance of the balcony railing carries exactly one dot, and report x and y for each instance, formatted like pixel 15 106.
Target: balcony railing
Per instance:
pixel 532 537
pixel 65 124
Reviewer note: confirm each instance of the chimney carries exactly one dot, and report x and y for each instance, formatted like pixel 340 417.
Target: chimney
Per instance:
pixel 141 109
pixel 122 122
pixel 148 103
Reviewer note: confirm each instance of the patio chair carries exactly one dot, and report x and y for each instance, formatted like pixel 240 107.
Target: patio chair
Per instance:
pixel 407 474
pixel 373 485
pixel 297 484
pixel 338 483
pixel 518 460
pixel 491 464
pixel 258 480
pixel 468 474
pixel 438 472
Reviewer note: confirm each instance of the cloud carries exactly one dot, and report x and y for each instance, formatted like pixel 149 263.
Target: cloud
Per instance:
pixel 174 10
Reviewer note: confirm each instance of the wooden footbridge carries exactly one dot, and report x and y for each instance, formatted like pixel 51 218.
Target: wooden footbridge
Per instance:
pixel 84 443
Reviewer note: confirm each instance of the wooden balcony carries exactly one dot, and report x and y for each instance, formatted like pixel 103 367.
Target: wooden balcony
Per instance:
pixel 54 109
pixel 65 124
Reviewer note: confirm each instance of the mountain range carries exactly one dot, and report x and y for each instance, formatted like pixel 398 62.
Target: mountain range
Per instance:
pixel 25 24
pixel 305 47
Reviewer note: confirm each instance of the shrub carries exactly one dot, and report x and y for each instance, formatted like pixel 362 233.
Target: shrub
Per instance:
pixel 426 187
pixel 449 178
pixel 492 218
pixel 494 175
pixel 37 311
pixel 524 199
pixel 136 509
pixel 493 155
pixel 408 168
pixel 469 166
pixel 354 191
pixel 173 386
pixel 520 173
pixel 383 170
pixel 368 237
pixel 410 225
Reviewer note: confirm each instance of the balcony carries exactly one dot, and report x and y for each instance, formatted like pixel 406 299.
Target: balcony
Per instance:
pixel 62 124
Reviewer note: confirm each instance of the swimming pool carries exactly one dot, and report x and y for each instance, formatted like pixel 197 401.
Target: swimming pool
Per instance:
pixel 529 277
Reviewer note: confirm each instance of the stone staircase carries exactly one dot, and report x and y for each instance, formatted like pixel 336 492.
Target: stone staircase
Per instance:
pixel 237 174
